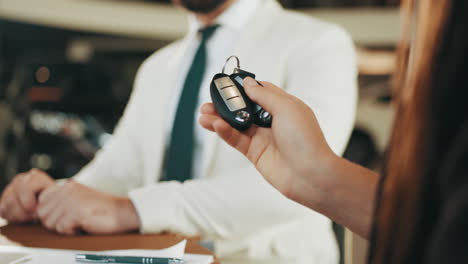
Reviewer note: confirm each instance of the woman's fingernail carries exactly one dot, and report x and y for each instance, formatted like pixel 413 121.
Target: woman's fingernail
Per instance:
pixel 250 82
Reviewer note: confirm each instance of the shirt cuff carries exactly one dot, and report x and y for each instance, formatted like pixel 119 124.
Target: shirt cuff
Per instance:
pixel 157 207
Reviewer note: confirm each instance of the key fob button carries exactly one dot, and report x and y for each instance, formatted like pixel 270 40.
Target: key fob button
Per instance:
pixel 223 83
pixel 239 80
pixel 265 115
pixel 242 116
pixel 235 103
pixel 230 92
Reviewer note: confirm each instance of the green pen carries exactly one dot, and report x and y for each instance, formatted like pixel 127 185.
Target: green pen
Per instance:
pixel 89 258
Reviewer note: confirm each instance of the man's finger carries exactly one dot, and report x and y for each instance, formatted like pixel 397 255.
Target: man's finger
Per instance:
pixel 6 196
pixel 29 185
pixel 49 200
pixel 49 194
pixel 10 207
pixel 26 190
pixel 68 225
pixel 15 212
pixel 51 221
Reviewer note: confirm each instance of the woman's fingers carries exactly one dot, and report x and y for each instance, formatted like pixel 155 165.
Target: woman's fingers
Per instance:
pixel 206 121
pixel 209 115
pixel 233 137
pixel 269 96
pixel 208 109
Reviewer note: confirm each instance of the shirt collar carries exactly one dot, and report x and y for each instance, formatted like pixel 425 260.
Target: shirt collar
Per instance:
pixel 235 17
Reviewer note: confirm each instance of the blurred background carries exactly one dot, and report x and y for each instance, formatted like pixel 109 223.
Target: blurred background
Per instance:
pixel 67 67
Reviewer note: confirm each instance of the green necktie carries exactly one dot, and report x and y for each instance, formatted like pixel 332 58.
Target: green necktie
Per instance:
pixel 179 156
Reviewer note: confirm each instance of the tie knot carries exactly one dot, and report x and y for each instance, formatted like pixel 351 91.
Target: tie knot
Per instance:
pixel 207 32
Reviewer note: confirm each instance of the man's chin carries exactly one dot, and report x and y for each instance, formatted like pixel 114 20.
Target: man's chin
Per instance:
pixel 201 6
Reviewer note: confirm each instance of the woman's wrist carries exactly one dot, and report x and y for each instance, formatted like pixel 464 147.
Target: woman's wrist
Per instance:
pixel 342 191
pixel 313 185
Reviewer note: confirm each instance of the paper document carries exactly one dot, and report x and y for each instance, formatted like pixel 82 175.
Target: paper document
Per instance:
pixel 14 258
pixel 55 256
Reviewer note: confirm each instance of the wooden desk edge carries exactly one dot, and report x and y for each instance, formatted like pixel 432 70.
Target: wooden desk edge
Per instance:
pixel 38 237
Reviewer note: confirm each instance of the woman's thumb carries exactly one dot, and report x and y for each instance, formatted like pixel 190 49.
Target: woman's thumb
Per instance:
pixel 267 95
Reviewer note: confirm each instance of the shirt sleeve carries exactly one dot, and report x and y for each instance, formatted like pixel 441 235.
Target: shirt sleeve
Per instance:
pixel 236 204
pixel 117 166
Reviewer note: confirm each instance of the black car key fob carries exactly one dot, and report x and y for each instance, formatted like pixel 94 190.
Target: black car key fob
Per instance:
pixel 233 104
pixel 261 117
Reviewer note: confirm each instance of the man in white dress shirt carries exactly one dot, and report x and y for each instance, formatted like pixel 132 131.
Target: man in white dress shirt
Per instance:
pixel 160 174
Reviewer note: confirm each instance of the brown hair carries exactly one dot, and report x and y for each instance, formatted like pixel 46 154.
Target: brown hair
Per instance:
pixel 429 85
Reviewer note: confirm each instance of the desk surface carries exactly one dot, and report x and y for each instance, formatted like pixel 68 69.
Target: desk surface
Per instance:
pixel 37 236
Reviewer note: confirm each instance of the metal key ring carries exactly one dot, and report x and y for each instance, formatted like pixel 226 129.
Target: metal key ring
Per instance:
pixel 228 59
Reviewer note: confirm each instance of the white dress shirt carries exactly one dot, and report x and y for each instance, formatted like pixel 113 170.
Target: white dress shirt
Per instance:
pixel 230 202
pixel 219 47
